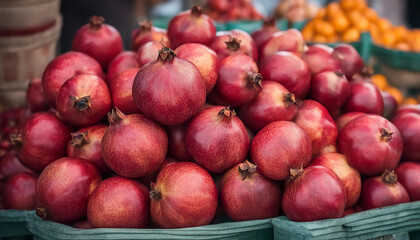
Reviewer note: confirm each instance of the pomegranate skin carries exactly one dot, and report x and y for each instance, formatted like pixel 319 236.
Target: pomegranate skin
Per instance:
pixel 121 91
pixel 290 41
pixel 345 118
pixel 217 139
pixel 123 61
pixel 349 59
pixel 390 105
pixel 245 194
pixel 176 143
pixel 289 70
pixel 191 26
pixel 149 52
pixel 99 40
pixel 119 203
pixel 280 146
pixel 184 195
pixel 152 176
pixel 83 100
pixel 42 138
pixel 409 126
pixel 19 192
pixel 316 194
pixel 408 175
pixel 365 97
pixel 133 145
pixel 10 165
pixel 371 144
pixel 64 67
pixel 408 108
pixel 267 30
pixel 319 59
pixel 56 197
pixel 35 96
pixel 349 176
pixel 273 103
pixel 147 33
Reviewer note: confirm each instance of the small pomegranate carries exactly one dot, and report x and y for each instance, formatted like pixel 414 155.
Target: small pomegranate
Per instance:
pixel 149 52
pixel 290 41
pixel 184 195
pixel 371 144
pixel 267 30
pixel 176 143
pixel 280 146
pixel 147 33
pixel 10 165
pixel 121 91
pixel 408 124
pixel 99 40
pixel 365 97
pixel 408 175
pixel 64 188
pixel 383 191
pixel 390 105
pixel 152 176
pixel 19 192
pixel 123 61
pixel 346 118
pixel 319 59
pixel 35 96
pixel 349 59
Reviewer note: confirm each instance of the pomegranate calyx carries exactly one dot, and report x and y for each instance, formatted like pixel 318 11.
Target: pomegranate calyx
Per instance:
pixel 389 177
pixel 16 139
pixel 96 21
pixel 269 21
pixel 386 135
pixel 154 194
pixel 247 169
pixel 145 25
pixel 196 11
pixel 41 212
pixel 227 113
pixel 233 44
pixel 82 103
pixel 115 116
pixel 166 54
pixel 255 79
pixel 295 172
pixel 289 99
pixel 78 139
pixel 339 73
pixel 366 71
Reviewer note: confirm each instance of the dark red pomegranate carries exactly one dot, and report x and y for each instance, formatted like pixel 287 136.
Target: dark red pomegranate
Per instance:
pixel 10 165
pixel 267 30
pixel 121 91
pixel 169 90
pixel 184 196
pixel 133 145
pixel 290 41
pixel 347 117
pixel 123 61
pixel 35 96
pixel 152 176
pixel 147 33
pixel 64 188
pixel 408 175
pixel 245 194
pixel 319 59
pixel 390 105
pixel 371 144
pixel 19 192
pixel 408 124
pixel 289 70
pixel 365 97
pixel 99 40
pixel 176 143
pixel 64 67
pixel 280 146
pixel 349 59
pixel 383 191
pixel 149 52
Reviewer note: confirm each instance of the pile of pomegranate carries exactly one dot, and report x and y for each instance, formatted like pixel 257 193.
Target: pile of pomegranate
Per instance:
pixel 197 124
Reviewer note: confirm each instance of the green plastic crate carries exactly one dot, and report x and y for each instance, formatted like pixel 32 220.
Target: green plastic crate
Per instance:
pixel 397 59
pixel 13 224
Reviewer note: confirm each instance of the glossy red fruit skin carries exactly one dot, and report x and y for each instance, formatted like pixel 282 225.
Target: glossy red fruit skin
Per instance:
pixel 217 139
pixel 390 105
pixel 35 96
pixel 204 58
pixel 368 145
pixel 169 90
pixel 267 30
pixel 121 91
pixel 289 70
pixel 319 59
pixel 365 97
pixel 123 61
pixel 245 196
pixel 44 139
pixel 349 59
pixel 349 176
pixel 119 203
pixel 133 145
pixel 176 143
pixel 152 176
pixel 408 175
pixel 99 40
pixel 290 41
pixel 86 144
pixel 184 195
pixel 73 94
pixel 191 26
pixel 280 146
pixel 321 129
pixel 303 201
pixel 64 67
pixel 147 33
pixel 149 52
pixel 408 124
pixel 408 108
pixel 10 165
pixel 345 118
pixel 19 192
pixel 56 197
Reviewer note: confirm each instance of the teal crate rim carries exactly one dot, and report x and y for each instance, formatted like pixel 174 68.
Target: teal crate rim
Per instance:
pixel 404 60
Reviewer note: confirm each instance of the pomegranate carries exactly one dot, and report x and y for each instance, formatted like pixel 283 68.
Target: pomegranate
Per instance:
pixel 35 96
pixel 169 90
pixel 280 146
pixel 289 70
pixel 149 52
pixel 408 108
pixel 99 40
pixel 390 105
pixel 42 138
pixel 176 143
pixel 245 194
pixel 10 165
pixel 64 67
pixel 19 192
pixel 64 188
pixel 302 200
pixel 383 191
pixel 204 58
pixel 365 74
pixel 408 124
pixel 347 117
pixel 348 211
pixel 123 61
pixel 121 91
pixel 267 30
pixel 349 59
pixel 151 176
pixel 133 145
pixel 290 41
pixel 11 118
pixel 408 175
pixel 119 203
pixel 319 59
pixel 147 33
pixel 371 144
pixel 191 26
pixel 83 100
pixel 184 196
pixel 365 97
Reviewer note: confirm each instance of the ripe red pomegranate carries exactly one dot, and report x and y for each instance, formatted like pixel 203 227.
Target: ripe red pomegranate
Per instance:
pixel 245 194
pixel 390 105
pixel 208 131
pixel 184 196
pixel 86 144
pixel 169 90
pixel 64 67
pixel 83 100
pixel 176 143
pixel 290 41
pixel 42 138
pixel 149 52
pixel 133 145
pixel 10 165
pixel 408 175
pixel 342 120
pixel 371 144
pixel 19 192
pixel 349 59
pixel 347 174
pixel 289 70
pixel 365 97
pixel 121 91
pixel 280 146
pixel 35 96
pixel 119 203
pixel 64 188
pixel 319 59
pixel 99 40
pixel 147 33
pixel 123 61
pixel 152 176
pixel 408 124
pixel 191 26
pixel 303 201
pixel 267 30
pixel 383 191
pixel 204 58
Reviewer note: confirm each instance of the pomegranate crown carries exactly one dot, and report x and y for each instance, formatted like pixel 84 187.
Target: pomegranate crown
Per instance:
pixel 166 54
pixel 389 177
pixel 233 44
pixel 96 21
pixel 247 169
pixel 196 11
